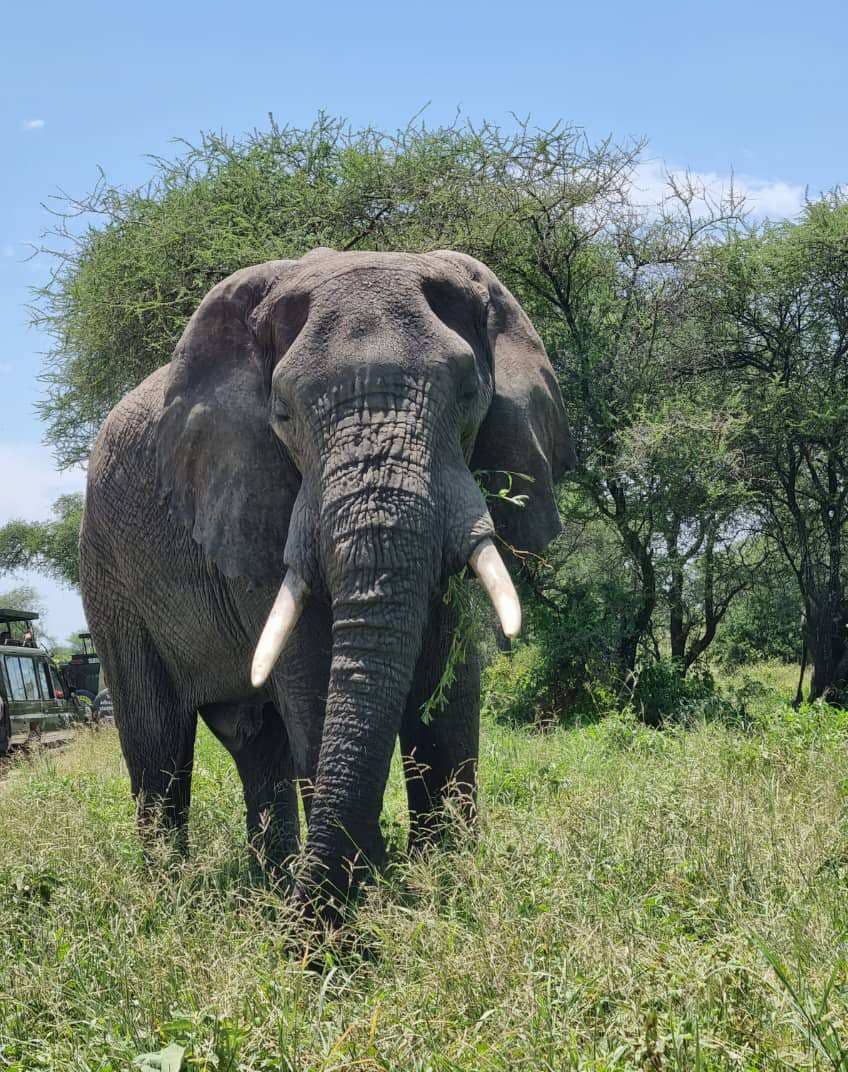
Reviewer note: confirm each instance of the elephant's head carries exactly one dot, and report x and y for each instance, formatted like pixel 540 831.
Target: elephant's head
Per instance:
pixel 323 422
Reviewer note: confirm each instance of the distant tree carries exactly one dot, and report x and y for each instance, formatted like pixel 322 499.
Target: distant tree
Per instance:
pixel 22 597
pixel 62 650
pixel 49 547
pixel 775 301
pixel 682 459
pixel 765 621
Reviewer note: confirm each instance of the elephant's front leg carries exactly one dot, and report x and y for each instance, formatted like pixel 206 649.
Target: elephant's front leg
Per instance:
pixel 254 735
pixel 440 758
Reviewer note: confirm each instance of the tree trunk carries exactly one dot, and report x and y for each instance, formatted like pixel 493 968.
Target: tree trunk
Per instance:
pixel 713 612
pixel 676 626
pixel 826 625
pixel 636 626
pixel 638 550
pixel 827 615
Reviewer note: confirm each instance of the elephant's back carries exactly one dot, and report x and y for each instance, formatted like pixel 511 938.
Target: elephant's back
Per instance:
pixel 128 428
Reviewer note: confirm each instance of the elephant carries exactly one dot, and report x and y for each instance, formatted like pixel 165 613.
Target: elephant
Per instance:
pixel 271 522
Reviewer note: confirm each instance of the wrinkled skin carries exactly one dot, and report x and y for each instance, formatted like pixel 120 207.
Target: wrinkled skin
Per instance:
pixel 322 415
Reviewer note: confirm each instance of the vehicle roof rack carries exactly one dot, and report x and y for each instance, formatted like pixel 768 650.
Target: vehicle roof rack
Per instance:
pixel 7 614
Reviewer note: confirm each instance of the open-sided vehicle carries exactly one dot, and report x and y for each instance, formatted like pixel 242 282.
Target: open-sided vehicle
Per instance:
pixel 33 695
pixel 82 670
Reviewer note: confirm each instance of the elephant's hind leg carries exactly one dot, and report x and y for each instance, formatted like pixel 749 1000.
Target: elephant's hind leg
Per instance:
pixel 256 738
pixel 156 730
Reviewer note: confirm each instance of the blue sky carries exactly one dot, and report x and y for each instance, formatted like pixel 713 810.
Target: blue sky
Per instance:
pixel 751 87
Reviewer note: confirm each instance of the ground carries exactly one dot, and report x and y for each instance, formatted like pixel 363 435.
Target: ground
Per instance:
pixel 637 899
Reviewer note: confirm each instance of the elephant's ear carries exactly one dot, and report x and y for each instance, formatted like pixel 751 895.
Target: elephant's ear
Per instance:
pixel 222 471
pixel 524 442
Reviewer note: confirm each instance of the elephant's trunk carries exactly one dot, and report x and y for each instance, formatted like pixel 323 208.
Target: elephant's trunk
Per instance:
pixel 381 566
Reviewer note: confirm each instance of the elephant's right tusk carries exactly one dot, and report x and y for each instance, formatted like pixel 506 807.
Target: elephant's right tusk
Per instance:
pixel 495 578
pixel 281 622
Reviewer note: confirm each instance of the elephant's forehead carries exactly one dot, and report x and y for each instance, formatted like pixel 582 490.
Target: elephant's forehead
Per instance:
pixel 373 302
pixel 368 270
pixel 365 308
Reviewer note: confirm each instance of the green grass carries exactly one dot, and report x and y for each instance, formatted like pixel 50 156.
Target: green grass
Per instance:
pixel 636 900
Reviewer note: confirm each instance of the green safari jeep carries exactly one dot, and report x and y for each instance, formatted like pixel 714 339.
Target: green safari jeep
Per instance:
pixel 33 696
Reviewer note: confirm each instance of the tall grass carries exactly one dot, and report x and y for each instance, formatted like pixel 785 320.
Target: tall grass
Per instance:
pixel 636 899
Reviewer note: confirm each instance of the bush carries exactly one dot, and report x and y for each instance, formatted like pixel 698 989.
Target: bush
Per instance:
pixel 567 668
pixel 514 684
pixel 662 693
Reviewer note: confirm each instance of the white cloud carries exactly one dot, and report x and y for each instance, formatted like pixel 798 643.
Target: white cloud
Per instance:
pixel 31 483
pixel 771 198
pixel 774 199
pixel 34 124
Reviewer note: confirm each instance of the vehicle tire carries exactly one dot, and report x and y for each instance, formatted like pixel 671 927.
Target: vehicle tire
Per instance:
pixel 84 703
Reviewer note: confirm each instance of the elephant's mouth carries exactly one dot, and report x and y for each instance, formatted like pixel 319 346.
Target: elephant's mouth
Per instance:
pixel 484 560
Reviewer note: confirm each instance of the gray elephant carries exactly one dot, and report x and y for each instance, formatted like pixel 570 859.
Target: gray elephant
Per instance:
pixel 271 522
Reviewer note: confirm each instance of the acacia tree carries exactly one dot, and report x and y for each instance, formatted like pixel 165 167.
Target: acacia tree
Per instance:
pixel 50 547
pixel 132 265
pixel 775 303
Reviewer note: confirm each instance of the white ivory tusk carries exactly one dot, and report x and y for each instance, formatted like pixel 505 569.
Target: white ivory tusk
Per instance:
pixel 495 578
pixel 281 622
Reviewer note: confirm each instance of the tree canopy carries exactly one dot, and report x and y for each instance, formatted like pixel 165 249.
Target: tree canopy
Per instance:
pixel 47 546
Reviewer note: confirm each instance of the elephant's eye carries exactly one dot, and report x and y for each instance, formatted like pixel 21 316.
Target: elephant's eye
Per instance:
pixel 280 409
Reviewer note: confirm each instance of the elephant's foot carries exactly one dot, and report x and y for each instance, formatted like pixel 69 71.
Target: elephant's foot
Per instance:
pixel 323 892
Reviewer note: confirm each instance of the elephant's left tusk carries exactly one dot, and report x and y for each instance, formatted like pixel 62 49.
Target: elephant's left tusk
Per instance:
pixel 279 627
pixel 495 578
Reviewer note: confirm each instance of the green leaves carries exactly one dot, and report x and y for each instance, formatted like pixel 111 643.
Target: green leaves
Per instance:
pixel 49 546
pixel 505 493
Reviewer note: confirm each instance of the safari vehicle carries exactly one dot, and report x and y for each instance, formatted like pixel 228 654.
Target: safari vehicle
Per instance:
pixel 82 671
pixel 33 695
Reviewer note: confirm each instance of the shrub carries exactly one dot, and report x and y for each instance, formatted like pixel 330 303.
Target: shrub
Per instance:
pixel 514 684
pixel 663 693
pixel 567 668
